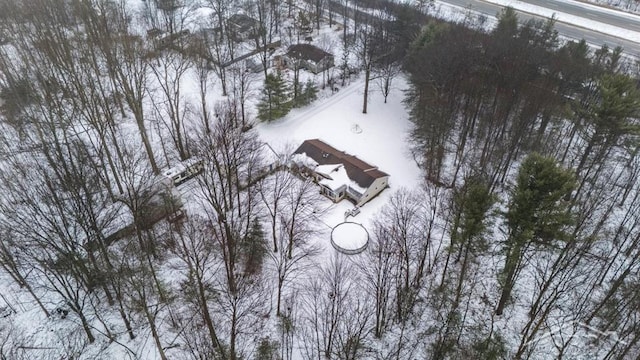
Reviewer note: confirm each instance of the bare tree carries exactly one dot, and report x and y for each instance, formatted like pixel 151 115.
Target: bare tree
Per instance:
pixel 202 69
pixel 197 253
pixel 409 230
pixel 385 73
pixel 221 48
pixel 242 83
pixel 336 321
pixel 378 268
pixel 294 228
pixel 127 67
pixel 266 25
pixel 13 264
pixel 50 240
pixel 366 55
pixel 327 44
pixel 172 109
pixel 232 160
pixel 144 295
pixel 318 12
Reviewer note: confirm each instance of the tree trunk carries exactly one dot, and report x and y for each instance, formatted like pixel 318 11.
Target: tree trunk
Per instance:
pixel 232 337
pixel 509 272
pixel 154 333
pixel 367 74
pixel 85 323
pixel 207 317
pixel 147 146
pixel 280 284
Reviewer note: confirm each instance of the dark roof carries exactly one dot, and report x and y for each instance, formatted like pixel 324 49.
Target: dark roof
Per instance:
pixel 307 52
pixel 358 170
pixel 243 22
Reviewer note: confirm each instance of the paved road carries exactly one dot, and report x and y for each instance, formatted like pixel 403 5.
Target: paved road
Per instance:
pixel 592 36
pixel 625 22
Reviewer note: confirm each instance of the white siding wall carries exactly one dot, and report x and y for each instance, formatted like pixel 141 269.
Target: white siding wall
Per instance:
pixel 378 185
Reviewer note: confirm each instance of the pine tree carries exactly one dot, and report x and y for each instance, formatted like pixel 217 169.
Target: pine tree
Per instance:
pixel 308 94
pixel 254 248
pixel 275 101
pixel 266 350
pixel 507 26
pixel 537 215
pixel 470 206
pixel 611 117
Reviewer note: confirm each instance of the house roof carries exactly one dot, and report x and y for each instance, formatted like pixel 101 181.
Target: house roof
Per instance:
pixel 336 178
pixel 307 52
pixel 243 22
pixel 359 171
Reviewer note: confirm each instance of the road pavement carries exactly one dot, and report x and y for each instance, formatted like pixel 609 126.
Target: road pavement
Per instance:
pixel 616 18
pixel 591 35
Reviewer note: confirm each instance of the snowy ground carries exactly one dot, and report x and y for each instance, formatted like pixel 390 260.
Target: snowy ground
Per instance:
pixel 378 137
pixel 631 6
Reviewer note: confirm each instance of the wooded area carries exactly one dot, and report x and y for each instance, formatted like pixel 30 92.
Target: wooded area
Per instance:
pixel 549 130
pixel 528 219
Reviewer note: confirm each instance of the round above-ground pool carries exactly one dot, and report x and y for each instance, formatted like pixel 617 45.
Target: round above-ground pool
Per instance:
pixel 349 238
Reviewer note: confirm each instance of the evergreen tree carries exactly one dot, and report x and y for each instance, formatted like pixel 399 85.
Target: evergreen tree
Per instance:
pixel 254 248
pixel 307 94
pixel 267 350
pixel 310 92
pixel 507 26
pixel 470 205
pixel 611 116
pixel 537 215
pixel 275 101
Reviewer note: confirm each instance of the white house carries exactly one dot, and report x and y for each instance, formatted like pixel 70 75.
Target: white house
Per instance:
pixel 340 175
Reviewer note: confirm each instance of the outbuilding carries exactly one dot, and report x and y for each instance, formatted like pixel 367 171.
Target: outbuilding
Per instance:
pixel 310 57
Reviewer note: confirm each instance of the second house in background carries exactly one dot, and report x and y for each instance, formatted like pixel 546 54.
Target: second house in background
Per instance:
pixel 310 57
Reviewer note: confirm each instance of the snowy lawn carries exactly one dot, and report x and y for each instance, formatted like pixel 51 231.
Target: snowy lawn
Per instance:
pixel 379 138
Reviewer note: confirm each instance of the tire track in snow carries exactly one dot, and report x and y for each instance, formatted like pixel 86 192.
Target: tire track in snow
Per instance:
pixel 321 106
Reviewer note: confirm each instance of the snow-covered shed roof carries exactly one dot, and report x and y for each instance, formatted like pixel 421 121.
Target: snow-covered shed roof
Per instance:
pixel 322 153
